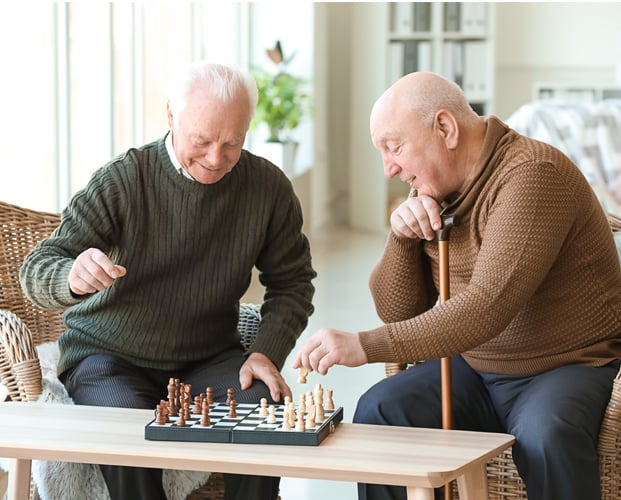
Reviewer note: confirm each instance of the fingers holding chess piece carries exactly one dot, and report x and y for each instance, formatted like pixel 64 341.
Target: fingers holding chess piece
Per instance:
pixel 302 374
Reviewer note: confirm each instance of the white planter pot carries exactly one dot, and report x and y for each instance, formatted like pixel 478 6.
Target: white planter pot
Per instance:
pixel 281 154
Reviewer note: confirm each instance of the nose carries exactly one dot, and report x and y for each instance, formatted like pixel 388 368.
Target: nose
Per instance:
pixel 214 155
pixel 390 167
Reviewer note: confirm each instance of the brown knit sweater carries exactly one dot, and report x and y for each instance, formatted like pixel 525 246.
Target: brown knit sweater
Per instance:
pixel 534 274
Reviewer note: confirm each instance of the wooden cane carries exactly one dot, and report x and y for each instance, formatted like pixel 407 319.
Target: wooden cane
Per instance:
pixel 445 363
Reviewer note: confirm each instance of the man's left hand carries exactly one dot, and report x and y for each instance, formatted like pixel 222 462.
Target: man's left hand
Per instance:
pixel 259 366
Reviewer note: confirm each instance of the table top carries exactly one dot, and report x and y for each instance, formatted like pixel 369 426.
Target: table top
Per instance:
pixel 353 452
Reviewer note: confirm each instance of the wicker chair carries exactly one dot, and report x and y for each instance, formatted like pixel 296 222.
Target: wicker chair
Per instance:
pixel 503 480
pixel 23 325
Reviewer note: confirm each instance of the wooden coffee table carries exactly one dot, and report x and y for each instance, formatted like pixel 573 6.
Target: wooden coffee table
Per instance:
pixel 419 459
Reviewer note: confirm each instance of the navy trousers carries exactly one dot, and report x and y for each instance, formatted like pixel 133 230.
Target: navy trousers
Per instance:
pixel 555 417
pixel 105 380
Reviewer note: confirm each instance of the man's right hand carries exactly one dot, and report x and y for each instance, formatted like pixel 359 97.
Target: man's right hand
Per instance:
pixel 417 217
pixel 93 271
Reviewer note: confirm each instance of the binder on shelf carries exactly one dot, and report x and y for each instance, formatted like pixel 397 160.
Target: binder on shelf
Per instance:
pixel 473 19
pixel 452 16
pixel 410 56
pixel 422 16
pixel 452 61
pixel 395 61
pixel 474 85
pixel 403 18
pixel 424 56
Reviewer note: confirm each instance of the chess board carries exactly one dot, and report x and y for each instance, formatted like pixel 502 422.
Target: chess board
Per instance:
pixel 247 427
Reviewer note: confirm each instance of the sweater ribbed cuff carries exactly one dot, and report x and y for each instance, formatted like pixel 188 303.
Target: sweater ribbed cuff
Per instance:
pixel 377 345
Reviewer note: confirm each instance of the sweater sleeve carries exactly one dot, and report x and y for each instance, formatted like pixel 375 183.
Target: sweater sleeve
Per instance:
pixel 44 275
pixel 286 271
pixel 518 246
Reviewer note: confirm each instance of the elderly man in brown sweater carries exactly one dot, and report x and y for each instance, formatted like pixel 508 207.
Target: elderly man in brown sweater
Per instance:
pixel 533 325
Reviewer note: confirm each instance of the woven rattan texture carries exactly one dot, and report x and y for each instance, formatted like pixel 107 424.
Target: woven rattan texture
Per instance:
pixel 24 325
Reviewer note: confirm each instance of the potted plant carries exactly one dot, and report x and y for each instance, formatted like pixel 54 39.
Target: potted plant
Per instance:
pixel 283 101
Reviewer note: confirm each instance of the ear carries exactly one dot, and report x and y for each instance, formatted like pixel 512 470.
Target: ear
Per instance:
pixel 170 116
pixel 447 128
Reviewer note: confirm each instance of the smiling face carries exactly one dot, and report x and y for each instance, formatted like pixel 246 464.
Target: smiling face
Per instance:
pixel 209 133
pixel 417 154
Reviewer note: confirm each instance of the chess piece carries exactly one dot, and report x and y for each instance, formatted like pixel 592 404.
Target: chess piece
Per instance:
pixel 319 412
pixel 302 374
pixel 329 405
pixel 302 405
pixel 263 410
pixel 229 396
pixel 196 409
pixel 291 414
pixel 286 423
pixel 272 417
pixel 172 405
pixel 209 394
pixel 299 425
pixel 310 420
pixel 205 414
pixel 160 418
pixel 318 393
pixel 233 411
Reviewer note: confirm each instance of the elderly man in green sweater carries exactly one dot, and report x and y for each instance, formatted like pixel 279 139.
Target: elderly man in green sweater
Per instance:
pixel 153 256
pixel 533 324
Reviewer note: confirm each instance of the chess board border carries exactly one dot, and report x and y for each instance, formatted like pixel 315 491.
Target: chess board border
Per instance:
pixel 214 434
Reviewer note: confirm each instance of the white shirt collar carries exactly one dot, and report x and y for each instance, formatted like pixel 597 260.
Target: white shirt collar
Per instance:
pixel 173 157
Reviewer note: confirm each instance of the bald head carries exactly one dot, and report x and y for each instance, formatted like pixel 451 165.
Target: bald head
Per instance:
pixel 420 96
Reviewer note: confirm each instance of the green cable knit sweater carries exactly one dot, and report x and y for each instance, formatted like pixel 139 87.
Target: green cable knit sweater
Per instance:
pixel 535 278
pixel 189 250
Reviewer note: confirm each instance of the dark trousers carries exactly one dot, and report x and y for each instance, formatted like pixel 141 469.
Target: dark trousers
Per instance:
pixel 555 417
pixel 105 380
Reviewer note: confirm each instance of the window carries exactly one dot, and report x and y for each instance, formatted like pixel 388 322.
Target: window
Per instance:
pixel 84 81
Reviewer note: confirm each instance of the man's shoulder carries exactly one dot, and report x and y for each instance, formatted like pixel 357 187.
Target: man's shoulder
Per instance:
pixel 136 159
pixel 260 169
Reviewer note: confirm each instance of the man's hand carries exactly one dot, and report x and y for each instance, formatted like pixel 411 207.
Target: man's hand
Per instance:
pixel 259 366
pixel 93 271
pixel 328 347
pixel 417 217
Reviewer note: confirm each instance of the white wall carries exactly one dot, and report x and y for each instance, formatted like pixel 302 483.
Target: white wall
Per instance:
pixel 553 42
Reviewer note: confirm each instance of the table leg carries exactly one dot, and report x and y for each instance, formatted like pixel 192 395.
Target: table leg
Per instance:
pixel 473 484
pixel 19 479
pixel 417 493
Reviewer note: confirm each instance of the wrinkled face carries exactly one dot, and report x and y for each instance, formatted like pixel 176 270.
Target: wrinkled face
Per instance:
pixel 416 155
pixel 208 135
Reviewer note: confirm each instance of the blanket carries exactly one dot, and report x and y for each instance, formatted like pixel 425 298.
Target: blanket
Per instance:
pixel 70 481
pixel 589 133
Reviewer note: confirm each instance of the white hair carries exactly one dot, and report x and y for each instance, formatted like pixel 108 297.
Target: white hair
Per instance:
pixel 223 82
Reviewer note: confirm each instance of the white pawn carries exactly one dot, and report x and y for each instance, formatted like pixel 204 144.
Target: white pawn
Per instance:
pixel 272 418
pixel 286 422
pixel 299 425
pixel 263 411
